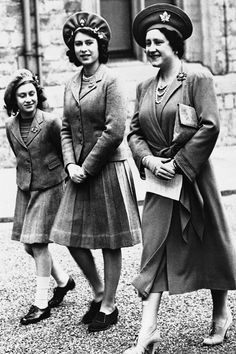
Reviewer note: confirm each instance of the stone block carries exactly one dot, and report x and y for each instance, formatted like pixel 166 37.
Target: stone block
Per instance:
pixel 229 101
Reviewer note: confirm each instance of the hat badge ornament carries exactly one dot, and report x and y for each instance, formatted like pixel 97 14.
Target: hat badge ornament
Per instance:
pixel 82 22
pixel 165 17
pixel 99 34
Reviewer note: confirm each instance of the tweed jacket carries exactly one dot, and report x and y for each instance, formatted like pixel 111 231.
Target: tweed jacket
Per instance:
pixel 93 124
pixel 39 162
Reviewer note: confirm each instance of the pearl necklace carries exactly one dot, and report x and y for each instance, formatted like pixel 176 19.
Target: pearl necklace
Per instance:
pixel 160 92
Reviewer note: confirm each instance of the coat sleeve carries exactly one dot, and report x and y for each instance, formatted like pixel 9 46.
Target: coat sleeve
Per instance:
pixel 9 137
pixel 192 157
pixel 55 135
pixel 66 138
pixel 113 134
pixel 136 140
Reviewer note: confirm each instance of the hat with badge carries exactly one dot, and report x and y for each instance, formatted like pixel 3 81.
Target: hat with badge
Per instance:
pixel 161 15
pixel 85 20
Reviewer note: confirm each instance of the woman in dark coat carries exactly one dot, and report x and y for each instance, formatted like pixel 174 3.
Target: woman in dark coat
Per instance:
pixel 186 242
pixel 34 136
pixel 99 209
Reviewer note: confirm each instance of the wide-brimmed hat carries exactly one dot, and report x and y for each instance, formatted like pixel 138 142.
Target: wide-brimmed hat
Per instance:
pixel 161 15
pixel 86 20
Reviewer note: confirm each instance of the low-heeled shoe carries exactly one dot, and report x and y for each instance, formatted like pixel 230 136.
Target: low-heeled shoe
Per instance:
pixel 35 315
pixel 60 292
pixel 102 321
pixel 92 312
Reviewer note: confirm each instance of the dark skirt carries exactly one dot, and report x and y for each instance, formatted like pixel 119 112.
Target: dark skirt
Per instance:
pixel 35 212
pixel 102 212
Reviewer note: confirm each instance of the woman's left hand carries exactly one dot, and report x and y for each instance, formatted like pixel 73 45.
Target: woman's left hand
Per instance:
pixel 77 173
pixel 166 170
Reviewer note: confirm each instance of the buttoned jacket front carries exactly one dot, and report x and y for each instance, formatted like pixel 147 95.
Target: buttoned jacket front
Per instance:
pixel 39 161
pixel 93 123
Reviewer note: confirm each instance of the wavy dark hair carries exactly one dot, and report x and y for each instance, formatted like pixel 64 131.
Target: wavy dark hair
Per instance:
pixel 25 76
pixel 176 42
pixel 102 47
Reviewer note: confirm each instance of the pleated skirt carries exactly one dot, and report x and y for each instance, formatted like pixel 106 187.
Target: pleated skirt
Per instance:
pixel 101 212
pixel 35 212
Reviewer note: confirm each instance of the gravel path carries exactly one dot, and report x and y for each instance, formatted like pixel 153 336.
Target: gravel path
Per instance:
pixel 184 320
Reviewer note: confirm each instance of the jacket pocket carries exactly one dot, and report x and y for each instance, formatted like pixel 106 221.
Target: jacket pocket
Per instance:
pixel 53 163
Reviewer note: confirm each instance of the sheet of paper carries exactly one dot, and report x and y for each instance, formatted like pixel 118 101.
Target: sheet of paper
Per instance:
pixel 169 189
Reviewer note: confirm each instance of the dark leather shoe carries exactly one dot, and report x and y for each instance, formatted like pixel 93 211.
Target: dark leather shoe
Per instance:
pixel 102 321
pixel 92 312
pixel 35 315
pixel 60 292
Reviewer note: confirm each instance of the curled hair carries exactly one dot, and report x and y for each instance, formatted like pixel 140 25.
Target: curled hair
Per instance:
pixel 25 76
pixel 175 41
pixel 102 48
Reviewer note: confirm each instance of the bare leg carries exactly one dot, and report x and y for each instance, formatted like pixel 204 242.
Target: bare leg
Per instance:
pixel 220 309
pixel 148 334
pixel 112 270
pixel 84 259
pixel 42 259
pixel 58 273
pixel 149 314
pixel 221 318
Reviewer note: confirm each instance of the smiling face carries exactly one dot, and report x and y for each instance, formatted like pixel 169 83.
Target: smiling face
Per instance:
pixel 158 50
pixel 27 100
pixel 86 50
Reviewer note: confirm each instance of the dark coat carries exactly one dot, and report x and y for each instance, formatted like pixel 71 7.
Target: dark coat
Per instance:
pixel 201 252
pixel 93 125
pixel 39 162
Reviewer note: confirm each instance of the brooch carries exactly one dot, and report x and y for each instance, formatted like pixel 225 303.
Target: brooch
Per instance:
pixel 181 76
pixel 34 129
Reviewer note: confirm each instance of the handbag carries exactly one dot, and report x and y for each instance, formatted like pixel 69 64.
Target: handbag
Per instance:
pixel 186 119
pixel 186 124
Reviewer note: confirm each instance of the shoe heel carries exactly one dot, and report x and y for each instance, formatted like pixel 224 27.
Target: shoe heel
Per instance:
pixel 226 336
pixel 152 348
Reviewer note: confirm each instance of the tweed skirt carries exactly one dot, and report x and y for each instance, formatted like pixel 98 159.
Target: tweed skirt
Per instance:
pixel 102 212
pixel 35 212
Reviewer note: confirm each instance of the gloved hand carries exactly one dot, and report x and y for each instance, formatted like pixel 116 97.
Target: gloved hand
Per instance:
pixel 160 167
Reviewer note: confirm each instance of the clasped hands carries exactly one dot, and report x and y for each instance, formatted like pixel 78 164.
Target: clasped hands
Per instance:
pixel 161 167
pixel 77 173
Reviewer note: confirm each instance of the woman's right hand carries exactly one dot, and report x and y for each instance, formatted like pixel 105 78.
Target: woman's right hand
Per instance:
pixel 77 173
pixel 160 167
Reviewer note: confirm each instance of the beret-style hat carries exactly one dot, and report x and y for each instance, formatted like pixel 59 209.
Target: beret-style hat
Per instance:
pixel 20 77
pixel 85 20
pixel 161 15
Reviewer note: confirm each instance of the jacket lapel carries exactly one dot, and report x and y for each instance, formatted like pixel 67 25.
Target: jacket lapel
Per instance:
pixel 15 128
pixel 76 83
pixel 35 126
